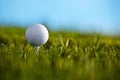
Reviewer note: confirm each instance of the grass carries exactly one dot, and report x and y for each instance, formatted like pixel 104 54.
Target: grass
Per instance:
pixel 66 56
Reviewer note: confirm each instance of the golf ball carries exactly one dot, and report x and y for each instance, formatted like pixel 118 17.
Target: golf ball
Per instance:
pixel 37 34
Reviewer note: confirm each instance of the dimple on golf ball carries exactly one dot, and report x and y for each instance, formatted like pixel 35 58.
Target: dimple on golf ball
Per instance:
pixel 37 34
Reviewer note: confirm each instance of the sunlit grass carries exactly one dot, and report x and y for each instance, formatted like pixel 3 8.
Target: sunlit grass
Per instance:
pixel 66 56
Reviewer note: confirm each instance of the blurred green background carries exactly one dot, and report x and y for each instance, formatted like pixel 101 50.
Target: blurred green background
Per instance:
pixel 66 56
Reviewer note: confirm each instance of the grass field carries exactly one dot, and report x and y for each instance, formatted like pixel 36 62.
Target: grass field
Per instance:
pixel 66 56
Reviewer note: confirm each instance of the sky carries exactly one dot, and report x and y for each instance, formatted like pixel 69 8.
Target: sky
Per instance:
pixel 84 15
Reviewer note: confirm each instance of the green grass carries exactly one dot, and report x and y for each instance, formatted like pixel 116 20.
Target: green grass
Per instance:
pixel 66 56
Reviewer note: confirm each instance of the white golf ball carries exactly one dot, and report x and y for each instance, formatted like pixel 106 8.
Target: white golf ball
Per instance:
pixel 37 34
